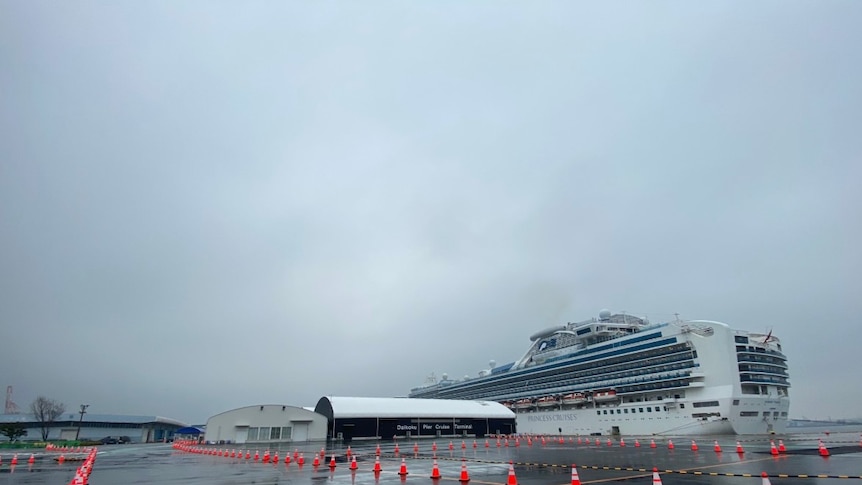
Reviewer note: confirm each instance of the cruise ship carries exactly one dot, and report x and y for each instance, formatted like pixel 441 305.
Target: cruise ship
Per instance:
pixel 619 374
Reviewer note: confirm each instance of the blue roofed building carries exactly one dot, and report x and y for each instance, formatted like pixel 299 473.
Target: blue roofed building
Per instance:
pixel 94 427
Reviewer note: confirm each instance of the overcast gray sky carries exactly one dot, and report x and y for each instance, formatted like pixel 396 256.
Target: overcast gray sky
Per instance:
pixel 206 205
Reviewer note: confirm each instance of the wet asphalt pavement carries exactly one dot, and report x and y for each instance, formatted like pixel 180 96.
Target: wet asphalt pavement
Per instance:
pixel 537 464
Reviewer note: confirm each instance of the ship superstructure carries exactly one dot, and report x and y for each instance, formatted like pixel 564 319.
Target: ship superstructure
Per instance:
pixel 621 374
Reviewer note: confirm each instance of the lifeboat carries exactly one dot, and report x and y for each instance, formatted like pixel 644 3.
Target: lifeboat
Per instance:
pixel 547 401
pixel 605 396
pixel 574 398
pixel 523 404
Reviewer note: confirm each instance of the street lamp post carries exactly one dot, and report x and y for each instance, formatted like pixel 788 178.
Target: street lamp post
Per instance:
pixel 82 412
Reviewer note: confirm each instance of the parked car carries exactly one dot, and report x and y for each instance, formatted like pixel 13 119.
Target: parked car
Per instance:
pixel 115 440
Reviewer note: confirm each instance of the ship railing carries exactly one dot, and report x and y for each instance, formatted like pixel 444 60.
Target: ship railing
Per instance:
pixel 567 386
pixel 765 370
pixel 764 379
pixel 760 350
pixel 746 357
pixel 625 375
pixel 580 385
pixel 540 384
pixel 669 384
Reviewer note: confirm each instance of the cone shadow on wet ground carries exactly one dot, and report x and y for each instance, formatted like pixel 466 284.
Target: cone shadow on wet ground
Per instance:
pixel 534 464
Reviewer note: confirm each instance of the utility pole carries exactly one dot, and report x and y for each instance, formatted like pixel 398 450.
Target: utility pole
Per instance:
pixel 82 412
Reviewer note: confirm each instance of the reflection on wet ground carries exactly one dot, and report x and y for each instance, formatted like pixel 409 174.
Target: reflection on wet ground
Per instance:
pixel 533 464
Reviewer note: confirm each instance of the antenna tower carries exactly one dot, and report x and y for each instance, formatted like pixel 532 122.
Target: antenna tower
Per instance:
pixel 11 407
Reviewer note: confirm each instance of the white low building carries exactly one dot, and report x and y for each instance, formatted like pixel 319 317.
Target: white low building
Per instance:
pixel 266 423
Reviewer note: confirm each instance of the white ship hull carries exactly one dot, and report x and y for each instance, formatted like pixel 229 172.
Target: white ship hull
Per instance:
pixel 670 422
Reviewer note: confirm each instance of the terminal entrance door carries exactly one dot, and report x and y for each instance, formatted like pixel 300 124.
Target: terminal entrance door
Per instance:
pixel 347 433
pixel 241 434
pixel 300 432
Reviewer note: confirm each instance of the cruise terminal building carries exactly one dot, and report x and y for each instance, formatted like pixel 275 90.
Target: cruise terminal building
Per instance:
pixel 352 418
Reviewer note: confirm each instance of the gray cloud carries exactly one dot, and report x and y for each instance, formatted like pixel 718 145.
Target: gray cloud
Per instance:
pixel 204 206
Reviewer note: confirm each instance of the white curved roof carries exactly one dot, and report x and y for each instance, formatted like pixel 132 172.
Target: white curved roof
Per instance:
pixel 261 406
pixel 401 407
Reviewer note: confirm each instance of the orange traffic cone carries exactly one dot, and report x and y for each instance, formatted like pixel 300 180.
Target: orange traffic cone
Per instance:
pixel 353 465
pixel 349 451
pixel 463 445
pixel 377 451
pixel 396 450
pixel 332 462
pixel 415 448
pixel 435 471
pixel 670 444
pixel 764 479
pixel 822 450
pixel 656 480
pixel 15 459
pixel 489 444
pixel 772 449
pixel 377 468
pixel 781 447
pixel 693 445
pixel 322 453
pixel 717 447
pixel 403 470
pixel 465 477
pixel 434 446
pixel 575 479
pixel 32 459
pixel 275 458
pixel 622 443
pixel 637 444
pixel 451 446
pixel 512 479
pixel 316 461
pixel 652 443
pixel 739 447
